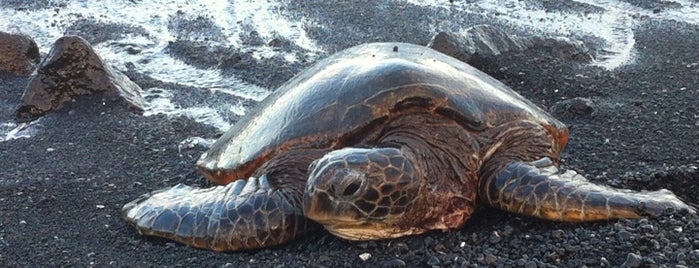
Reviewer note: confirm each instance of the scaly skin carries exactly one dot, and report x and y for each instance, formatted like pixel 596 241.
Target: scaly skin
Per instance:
pixel 363 194
pixel 538 189
pixel 245 214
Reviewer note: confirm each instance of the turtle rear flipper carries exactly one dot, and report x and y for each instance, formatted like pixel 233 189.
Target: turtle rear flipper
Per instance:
pixel 538 189
pixel 245 214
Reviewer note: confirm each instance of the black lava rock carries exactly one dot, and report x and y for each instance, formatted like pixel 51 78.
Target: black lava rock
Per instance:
pixel 73 69
pixel 571 108
pixel 19 54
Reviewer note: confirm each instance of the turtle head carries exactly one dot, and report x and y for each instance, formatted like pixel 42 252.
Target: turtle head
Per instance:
pixel 363 194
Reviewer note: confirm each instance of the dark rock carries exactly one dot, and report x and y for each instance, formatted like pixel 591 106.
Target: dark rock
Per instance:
pixel 400 248
pixel 440 247
pixel 433 261
pixel 279 42
pixel 483 41
pixel 531 264
pixel 521 262
pixel 558 234
pixel 480 39
pixel 194 27
pixel 202 54
pixel 429 241
pixel 571 108
pixel 571 6
pixel 95 31
pixel 623 235
pixel 393 263
pixel 507 231
pixel 495 238
pixel 323 259
pixel 73 69
pixel 490 258
pixel 632 260
pixel 450 44
pixel 656 6
pixel 253 38
pixel 460 261
pixel 566 49
pixel 19 54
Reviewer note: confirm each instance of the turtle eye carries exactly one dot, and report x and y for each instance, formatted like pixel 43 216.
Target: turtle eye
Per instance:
pixel 352 188
pixel 349 183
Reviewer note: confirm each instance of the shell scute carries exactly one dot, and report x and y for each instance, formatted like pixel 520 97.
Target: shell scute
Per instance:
pixel 343 98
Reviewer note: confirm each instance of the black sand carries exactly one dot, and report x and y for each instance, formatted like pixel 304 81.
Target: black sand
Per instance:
pixel 62 189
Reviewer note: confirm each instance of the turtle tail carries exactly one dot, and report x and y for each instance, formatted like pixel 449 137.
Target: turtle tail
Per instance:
pixel 538 189
pixel 245 214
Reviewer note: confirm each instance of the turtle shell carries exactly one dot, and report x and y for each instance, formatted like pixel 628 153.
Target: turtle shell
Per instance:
pixel 348 95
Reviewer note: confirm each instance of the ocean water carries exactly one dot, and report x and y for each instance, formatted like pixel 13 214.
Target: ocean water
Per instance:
pixel 47 25
pixel 609 21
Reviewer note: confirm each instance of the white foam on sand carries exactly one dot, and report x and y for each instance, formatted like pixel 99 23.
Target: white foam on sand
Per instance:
pixel 11 130
pixel 233 17
pixel 613 26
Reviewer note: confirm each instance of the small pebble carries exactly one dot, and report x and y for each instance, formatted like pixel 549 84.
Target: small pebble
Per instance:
pixel 459 261
pixel 531 264
pixel 558 234
pixel 680 257
pixel 490 258
pixel 365 256
pixel 571 108
pixel 440 247
pixel 632 260
pixel 323 259
pixel 521 262
pixel 508 230
pixel 432 261
pixel 429 241
pixel 623 235
pixel 394 263
pixel 401 247
pixel 495 238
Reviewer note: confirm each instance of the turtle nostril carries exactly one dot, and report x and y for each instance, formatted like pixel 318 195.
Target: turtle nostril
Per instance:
pixel 352 188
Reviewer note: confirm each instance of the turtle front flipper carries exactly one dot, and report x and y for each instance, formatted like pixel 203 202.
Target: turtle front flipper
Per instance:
pixel 245 214
pixel 538 189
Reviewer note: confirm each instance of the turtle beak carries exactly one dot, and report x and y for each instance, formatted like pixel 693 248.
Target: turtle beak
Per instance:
pixel 316 204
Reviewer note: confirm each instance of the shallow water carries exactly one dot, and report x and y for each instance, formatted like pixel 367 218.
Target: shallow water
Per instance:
pixel 611 22
pixel 47 25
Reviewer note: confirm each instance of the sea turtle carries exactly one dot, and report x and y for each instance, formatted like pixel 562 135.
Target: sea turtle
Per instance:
pixel 378 141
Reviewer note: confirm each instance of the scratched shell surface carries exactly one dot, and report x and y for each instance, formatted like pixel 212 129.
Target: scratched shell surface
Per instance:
pixel 345 93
